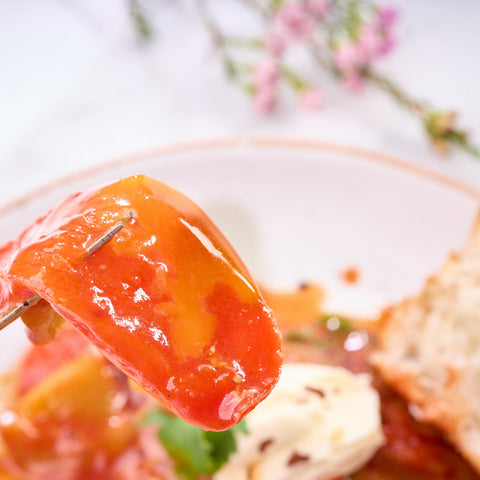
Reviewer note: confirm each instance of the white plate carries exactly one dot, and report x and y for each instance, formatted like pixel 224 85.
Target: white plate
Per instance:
pixel 296 212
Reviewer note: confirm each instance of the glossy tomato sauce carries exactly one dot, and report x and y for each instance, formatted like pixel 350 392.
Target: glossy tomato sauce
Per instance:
pixel 413 450
pixel 104 411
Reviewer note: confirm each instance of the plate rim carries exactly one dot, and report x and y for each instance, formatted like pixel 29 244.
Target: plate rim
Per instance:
pixel 261 142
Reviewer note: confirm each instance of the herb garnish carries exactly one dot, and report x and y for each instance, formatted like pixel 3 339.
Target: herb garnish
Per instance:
pixel 195 451
pixel 336 323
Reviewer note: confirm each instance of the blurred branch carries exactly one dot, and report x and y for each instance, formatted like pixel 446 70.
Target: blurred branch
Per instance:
pixel 344 37
pixel 141 23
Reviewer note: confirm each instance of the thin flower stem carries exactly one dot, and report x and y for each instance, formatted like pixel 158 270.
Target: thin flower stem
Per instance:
pixel 263 9
pixel 243 42
pixel 232 69
pixel 396 92
pixel 216 36
pixel 293 78
pixel 319 55
pixel 140 21
pixel 439 126
pixel 461 141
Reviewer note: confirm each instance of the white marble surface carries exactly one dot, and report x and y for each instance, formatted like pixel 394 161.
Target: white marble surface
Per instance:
pixel 76 89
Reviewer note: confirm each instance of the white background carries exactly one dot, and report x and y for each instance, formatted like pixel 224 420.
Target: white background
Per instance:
pixel 77 89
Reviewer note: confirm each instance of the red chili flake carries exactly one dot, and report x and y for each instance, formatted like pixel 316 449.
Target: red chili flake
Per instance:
pixel 350 275
pixel 319 392
pixel 297 458
pixel 265 444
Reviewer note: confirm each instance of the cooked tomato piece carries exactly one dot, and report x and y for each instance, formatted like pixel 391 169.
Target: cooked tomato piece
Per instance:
pixel 167 299
pixel 42 322
pixel 42 360
pixel 70 423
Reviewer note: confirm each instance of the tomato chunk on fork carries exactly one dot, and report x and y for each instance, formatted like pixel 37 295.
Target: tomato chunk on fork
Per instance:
pixel 167 299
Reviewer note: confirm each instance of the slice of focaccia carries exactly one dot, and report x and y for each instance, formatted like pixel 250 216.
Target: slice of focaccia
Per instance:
pixel 429 349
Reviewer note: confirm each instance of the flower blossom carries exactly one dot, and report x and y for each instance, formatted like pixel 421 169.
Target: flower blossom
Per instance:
pixel 295 18
pixel 312 98
pixel 265 100
pixel 387 15
pixel 319 9
pixel 350 57
pixel 370 40
pixel 388 42
pixel 265 79
pixel 266 74
pixel 274 43
pixel 354 82
pixel 374 40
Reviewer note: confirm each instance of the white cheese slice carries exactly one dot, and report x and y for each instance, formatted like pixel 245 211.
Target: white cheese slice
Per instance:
pixel 319 422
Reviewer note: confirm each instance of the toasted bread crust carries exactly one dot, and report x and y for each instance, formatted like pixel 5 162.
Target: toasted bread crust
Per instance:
pixel 429 349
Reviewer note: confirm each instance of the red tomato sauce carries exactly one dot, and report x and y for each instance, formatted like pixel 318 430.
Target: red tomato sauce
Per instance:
pixel 77 417
pixel 105 411
pixel 413 450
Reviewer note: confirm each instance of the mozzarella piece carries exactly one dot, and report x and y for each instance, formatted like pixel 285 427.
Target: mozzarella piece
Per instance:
pixel 319 422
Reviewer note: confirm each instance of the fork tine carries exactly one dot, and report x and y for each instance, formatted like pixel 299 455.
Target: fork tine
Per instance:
pixel 16 312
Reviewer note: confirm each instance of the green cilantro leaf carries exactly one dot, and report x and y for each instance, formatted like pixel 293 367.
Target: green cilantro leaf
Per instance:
pixel 194 451
pixel 336 323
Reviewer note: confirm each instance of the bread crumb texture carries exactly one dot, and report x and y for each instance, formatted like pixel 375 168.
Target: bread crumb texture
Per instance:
pixel 429 349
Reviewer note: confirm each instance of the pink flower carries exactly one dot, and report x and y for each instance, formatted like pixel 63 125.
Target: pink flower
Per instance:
pixel 274 43
pixel 318 8
pixel 355 83
pixel 350 57
pixel 371 40
pixel 387 15
pixel 296 20
pixel 375 41
pixel 388 42
pixel 265 100
pixel 344 57
pixel 266 74
pixel 312 98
